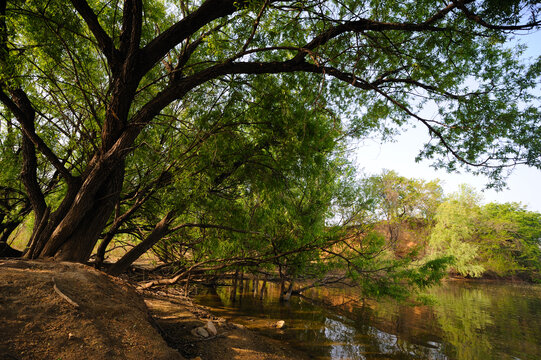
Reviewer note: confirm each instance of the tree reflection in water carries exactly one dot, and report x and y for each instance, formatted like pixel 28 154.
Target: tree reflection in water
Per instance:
pixel 468 321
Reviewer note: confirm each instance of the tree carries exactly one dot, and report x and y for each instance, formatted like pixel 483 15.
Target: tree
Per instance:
pixel 247 182
pixel 512 240
pixel 87 82
pixel 455 232
pixel 397 199
pixel 496 239
pixel 14 204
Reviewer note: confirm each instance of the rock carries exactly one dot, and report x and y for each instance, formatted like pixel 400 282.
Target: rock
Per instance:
pixel 202 332
pixel 211 329
pixel 280 324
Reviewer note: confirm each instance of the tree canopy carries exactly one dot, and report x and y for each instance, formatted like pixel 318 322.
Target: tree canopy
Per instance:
pixel 152 118
pixel 494 239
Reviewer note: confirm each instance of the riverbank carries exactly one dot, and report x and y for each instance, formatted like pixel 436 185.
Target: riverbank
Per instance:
pixel 177 316
pixel 67 311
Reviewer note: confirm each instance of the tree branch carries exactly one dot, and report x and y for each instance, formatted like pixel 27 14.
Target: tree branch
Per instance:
pixel 13 105
pixel 476 18
pixel 130 36
pixel 365 25
pixel 159 231
pixel 104 41
pixel 208 11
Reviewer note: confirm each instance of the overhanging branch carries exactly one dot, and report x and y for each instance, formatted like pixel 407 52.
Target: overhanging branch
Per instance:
pixel 104 41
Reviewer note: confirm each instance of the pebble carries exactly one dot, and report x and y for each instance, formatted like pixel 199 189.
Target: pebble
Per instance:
pixel 202 332
pixel 211 329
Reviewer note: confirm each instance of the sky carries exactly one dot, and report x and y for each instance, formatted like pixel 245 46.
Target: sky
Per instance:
pixel 524 184
pixel 371 157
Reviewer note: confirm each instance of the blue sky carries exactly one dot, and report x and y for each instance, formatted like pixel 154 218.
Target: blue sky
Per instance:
pixel 524 185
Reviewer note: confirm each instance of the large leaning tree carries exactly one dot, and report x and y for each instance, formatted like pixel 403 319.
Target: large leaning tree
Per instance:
pixel 84 82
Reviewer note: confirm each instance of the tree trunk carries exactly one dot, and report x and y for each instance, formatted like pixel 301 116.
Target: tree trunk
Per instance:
pixel 263 288
pixel 282 288
pixel 8 251
pixel 241 283
pixel 79 245
pixel 286 295
pixel 156 235
pixel 7 229
pixel 233 294
pixel 72 231
pixel 255 285
pixel 119 220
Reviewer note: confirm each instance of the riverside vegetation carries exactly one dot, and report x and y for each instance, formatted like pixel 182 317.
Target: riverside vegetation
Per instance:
pixel 214 134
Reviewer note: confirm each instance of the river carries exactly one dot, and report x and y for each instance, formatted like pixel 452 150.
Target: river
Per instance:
pixel 464 321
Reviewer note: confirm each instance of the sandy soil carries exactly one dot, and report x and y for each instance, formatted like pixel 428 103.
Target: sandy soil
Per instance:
pixel 93 316
pixel 110 321
pixel 177 316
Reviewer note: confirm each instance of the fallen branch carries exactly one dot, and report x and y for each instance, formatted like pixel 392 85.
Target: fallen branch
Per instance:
pixel 161 282
pixel 242 261
pixel 63 296
pixel 172 280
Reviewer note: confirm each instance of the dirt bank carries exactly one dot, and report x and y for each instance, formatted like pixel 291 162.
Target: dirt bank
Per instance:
pixel 106 319
pixel 52 310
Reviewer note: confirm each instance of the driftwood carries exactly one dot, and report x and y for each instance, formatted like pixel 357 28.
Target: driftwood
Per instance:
pixel 152 283
pixel 64 296
pixel 174 279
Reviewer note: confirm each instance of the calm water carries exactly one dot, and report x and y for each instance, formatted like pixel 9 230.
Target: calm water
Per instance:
pixel 468 321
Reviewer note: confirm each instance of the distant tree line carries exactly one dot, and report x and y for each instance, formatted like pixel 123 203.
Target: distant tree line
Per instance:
pixel 499 240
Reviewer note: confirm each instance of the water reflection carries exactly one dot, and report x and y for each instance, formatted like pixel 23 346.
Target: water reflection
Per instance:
pixel 342 337
pixel 469 321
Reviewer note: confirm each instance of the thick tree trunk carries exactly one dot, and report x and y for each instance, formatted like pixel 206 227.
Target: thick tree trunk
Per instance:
pixel 71 232
pixel 79 245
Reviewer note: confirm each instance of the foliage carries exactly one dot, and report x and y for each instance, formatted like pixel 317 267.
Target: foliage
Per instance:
pixel 222 123
pixel 14 204
pixel 500 239
pixel 397 198
pixel 454 231
pixel 401 208
pixel 513 236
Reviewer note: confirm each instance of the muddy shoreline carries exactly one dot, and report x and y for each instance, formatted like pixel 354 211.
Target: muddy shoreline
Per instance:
pixel 177 316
